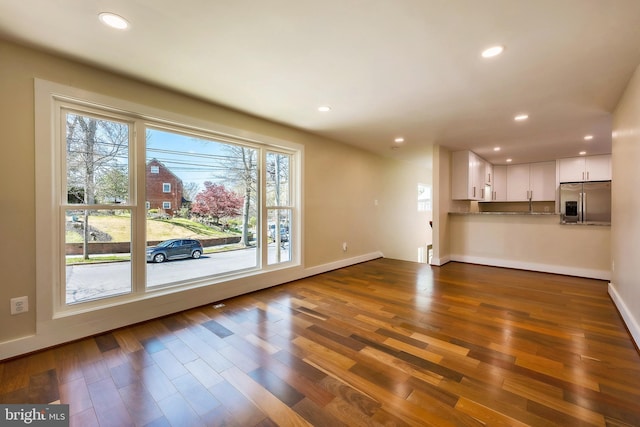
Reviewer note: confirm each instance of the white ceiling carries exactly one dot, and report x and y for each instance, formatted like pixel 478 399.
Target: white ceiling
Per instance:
pixel 387 68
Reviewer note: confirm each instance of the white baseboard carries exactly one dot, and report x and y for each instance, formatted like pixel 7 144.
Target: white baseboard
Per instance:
pixel 319 269
pixel 545 268
pixel 440 260
pixel 627 316
pixel 68 328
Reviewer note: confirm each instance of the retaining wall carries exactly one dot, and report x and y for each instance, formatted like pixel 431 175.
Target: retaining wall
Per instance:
pixel 125 247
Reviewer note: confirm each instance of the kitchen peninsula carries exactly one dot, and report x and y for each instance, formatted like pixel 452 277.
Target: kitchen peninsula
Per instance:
pixel 522 233
pixel 530 241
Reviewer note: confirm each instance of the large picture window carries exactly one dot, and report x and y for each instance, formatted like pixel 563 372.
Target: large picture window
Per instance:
pixel 141 206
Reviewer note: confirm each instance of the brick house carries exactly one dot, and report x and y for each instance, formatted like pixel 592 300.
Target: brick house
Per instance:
pixel 164 189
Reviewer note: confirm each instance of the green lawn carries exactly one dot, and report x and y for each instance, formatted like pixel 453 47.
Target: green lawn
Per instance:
pixel 119 228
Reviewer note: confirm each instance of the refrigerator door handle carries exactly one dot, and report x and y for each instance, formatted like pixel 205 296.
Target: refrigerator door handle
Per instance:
pixel 584 207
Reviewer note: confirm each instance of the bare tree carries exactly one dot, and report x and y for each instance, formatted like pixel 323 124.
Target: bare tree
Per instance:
pixel 94 147
pixel 190 190
pixel 241 169
pixel 242 173
pixel 277 179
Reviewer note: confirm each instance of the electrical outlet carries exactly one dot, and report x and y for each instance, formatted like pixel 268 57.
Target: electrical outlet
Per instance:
pixel 344 246
pixel 19 305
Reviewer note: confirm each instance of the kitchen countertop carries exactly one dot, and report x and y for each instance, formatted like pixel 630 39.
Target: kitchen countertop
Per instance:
pixel 596 223
pixel 531 214
pixel 506 213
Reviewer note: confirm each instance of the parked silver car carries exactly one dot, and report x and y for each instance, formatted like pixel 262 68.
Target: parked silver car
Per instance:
pixel 174 249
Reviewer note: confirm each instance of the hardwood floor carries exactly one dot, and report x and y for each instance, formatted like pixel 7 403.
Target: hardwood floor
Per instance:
pixel 380 343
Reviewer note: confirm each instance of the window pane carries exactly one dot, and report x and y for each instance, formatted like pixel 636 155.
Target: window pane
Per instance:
pixel 213 200
pixel 97 160
pixel 424 198
pixel 98 256
pixel 279 234
pixel 278 190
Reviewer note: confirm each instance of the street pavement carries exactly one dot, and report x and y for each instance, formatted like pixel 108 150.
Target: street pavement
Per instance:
pixel 91 281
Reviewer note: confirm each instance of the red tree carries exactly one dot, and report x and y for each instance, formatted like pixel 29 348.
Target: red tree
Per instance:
pixel 217 202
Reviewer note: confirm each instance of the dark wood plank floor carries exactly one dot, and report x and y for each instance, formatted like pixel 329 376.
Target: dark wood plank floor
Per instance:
pixel 380 343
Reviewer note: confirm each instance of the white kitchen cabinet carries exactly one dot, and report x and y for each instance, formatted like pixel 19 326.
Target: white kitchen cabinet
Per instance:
pixel 598 168
pixel 542 181
pixel 571 169
pixel 590 168
pixel 518 183
pixel 531 181
pixel 499 184
pixel 467 176
pixel 480 178
pixel 488 174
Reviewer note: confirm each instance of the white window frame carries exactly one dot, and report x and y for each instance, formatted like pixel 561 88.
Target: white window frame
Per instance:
pixel 166 205
pixel 154 169
pixel 166 187
pixel 288 207
pixel 49 246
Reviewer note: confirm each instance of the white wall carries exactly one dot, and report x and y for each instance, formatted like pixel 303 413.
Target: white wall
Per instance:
pixel 403 229
pixel 340 183
pixel 625 218
pixel 441 205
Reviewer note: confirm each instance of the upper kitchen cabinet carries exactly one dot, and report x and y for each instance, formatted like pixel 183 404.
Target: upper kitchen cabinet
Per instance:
pixel 468 176
pixel 590 168
pixel 488 174
pixel 499 184
pixel 518 177
pixel 531 181
pixel 543 181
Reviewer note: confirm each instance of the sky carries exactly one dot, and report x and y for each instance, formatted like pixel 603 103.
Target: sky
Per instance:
pixel 191 159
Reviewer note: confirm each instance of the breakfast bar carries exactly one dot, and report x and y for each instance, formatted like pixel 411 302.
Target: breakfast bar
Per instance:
pixel 534 241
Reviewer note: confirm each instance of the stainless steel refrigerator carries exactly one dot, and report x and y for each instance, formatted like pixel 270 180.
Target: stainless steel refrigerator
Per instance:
pixel 585 202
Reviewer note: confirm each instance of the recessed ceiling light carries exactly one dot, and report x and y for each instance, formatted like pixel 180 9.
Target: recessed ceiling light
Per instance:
pixel 114 21
pixel 496 148
pixel 492 51
pixel 509 160
pixel 521 117
pixel 588 137
pixel 399 140
pixel 324 108
pixel 582 153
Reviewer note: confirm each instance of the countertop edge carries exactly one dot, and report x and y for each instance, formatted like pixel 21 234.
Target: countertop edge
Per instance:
pixel 506 213
pixel 533 214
